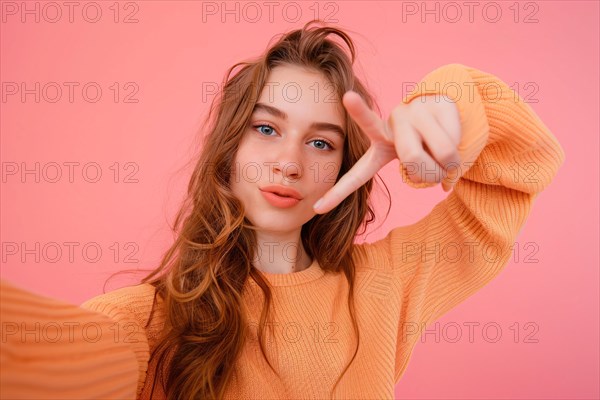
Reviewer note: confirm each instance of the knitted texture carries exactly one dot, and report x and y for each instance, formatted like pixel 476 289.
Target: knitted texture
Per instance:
pixel 405 281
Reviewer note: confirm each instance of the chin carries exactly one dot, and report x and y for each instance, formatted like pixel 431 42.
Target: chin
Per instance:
pixel 277 222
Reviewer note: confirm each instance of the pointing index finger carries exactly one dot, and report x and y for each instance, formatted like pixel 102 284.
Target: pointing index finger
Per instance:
pixel 364 169
pixel 364 117
pixel 368 165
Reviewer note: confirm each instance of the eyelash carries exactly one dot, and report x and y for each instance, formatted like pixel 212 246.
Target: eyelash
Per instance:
pixel 327 142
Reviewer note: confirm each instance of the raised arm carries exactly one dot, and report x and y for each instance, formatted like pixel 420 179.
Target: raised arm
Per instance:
pixel 54 350
pixel 467 239
pixel 128 308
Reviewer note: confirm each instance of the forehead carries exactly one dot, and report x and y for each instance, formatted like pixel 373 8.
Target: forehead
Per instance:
pixel 302 93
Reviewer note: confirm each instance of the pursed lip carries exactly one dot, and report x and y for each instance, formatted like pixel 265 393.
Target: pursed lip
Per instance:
pixel 282 190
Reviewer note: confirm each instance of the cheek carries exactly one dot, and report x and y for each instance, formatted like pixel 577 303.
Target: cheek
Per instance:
pixel 325 176
pixel 236 181
pixel 249 157
pixel 241 158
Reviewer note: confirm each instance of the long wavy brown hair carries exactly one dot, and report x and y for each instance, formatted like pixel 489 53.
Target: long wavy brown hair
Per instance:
pixel 201 276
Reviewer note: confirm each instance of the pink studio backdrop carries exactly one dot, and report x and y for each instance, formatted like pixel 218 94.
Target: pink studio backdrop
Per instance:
pixel 155 62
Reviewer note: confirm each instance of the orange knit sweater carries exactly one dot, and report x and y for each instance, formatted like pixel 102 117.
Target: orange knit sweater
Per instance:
pixel 404 282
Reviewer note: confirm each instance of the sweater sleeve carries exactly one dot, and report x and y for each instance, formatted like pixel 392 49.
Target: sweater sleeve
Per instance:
pixel 508 156
pixel 129 309
pixel 54 350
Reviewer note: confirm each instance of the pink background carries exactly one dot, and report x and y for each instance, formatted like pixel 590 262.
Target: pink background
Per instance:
pixel 170 53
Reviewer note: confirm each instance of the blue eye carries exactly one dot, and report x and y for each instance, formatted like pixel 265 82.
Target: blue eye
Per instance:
pixel 268 130
pixel 264 126
pixel 326 142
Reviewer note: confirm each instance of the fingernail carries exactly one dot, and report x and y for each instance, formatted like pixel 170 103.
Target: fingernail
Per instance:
pixel 452 173
pixel 318 203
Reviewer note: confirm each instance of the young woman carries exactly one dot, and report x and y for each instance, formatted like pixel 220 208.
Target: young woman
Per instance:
pixel 264 293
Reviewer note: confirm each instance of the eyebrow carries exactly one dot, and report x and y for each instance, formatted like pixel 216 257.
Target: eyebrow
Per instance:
pixel 327 126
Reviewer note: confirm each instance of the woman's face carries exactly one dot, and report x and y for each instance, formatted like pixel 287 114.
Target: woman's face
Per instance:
pixel 295 139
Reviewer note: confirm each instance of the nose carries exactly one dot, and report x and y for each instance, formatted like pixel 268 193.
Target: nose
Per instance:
pixel 288 161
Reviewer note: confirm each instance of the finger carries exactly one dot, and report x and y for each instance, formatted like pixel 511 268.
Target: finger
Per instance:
pixel 363 170
pixel 447 186
pixel 449 163
pixel 449 118
pixel 419 165
pixel 439 143
pixel 365 118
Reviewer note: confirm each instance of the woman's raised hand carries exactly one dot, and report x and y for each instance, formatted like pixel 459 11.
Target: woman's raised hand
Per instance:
pixel 423 134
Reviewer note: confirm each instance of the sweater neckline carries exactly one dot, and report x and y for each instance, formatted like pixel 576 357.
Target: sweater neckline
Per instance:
pixel 309 274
